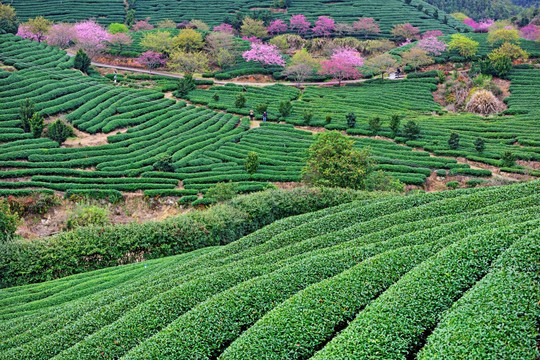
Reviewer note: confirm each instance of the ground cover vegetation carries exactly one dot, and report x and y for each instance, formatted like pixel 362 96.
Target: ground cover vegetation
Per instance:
pixel 411 268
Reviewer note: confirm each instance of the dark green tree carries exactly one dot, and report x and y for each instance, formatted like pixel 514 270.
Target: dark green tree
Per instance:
pixel 375 124
pixel 25 114
pixel 395 120
pixel 82 61
pixel 285 108
pixel 351 120
pixel 252 162
pixel 186 85
pixel 508 159
pixel 411 130
pixel 453 141
pixel 37 123
pixel 480 144
pixel 59 132
pixel 8 222
pixel 240 101
pixel 164 163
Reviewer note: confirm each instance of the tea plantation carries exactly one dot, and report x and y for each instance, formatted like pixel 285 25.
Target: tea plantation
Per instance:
pixel 447 275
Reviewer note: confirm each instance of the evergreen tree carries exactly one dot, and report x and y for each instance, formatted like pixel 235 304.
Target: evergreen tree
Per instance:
pixel 37 123
pixel 351 120
pixel 453 141
pixel 25 114
pixel 59 132
pixel 480 144
pixel 82 61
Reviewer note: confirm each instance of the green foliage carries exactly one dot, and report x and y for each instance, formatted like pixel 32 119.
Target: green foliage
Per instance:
pixel 307 115
pixel 37 124
pixel 508 159
pixel 375 124
pixel 251 162
pixel 285 108
pixel 222 191
pixel 441 172
pixel 411 130
pixel 59 131
pixel 351 120
pixel 82 61
pixel 164 163
pixel 186 85
pixel 25 114
pixel 453 141
pixel 240 101
pixel 480 144
pixel 332 161
pixel 9 221
pixel 116 28
pixel 88 215
pixel 395 121
pixel 261 108
pixel 452 185
pixel 502 66
pixel 215 97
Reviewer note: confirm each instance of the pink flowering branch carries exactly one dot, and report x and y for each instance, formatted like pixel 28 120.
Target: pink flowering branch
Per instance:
pixel 324 26
pixel 151 60
pixel 343 64
pixel 265 54
pixel 226 28
pixel 432 46
pixel 300 24
pixel 277 27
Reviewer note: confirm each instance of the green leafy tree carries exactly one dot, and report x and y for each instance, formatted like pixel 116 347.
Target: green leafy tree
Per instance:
pixel 307 115
pixel 508 159
pixel 37 124
pixel 82 61
pixel 25 114
pixel 9 221
pixel 222 191
pixel 189 40
pixel 464 45
pixel 395 120
pixel 116 28
pixel 480 144
pixel 252 162
pixel 186 85
pixel 261 108
pixel 351 120
pixel 333 161
pixel 411 130
pixel 240 101
pixel 453 141
pixel 285 108
pixel 375 124
pixel 130 17
pixel 164 163
pixel 59 131
pixel 8 20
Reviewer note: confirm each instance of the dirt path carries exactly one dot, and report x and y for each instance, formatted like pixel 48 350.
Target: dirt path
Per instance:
pixel 84 139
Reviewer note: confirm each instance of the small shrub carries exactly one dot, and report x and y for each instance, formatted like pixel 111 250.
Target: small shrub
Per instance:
pixel 252 163
pixel 88 215
pixel 441 173
pixel 351 120
pixel 411 130
pixel 261 108
pixel 240 101
pixel 223 191
pixel 186 200
pixel 59 131
pixel 285 108
pixel 307 115
pixel 164 163
pixel 375 124
pixel 9 221
pixel 328 119
pixel 474 182
pixel 480 144
pixel 453 141
pixel 508 159
pixel 215 97
pixel 452 185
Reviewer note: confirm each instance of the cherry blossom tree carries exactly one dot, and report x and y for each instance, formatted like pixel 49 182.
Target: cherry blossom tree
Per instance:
pixel 432 33
pixel 151 60
pixel 265 54
pixel 432 46
pixel 530 32
pixel 252 39
pixel 324 26
pixel 343 64
pixel 277 26
pixel 300 24
pixel 226 28
pixel 120 40
pixel 35 29
pixel 61 35
pixel 366 26
pixel 479 27
pixel 142 25
pixel 405 31
pixel 91 37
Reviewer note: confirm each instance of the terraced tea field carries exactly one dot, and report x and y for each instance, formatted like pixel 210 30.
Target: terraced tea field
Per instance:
pixel 386 12
pixel 386 278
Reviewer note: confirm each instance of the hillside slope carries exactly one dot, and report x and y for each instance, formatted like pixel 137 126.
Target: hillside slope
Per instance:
pixel 372 278
pixel 386 12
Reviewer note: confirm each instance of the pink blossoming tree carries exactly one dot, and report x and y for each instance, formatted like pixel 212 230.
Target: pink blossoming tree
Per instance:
pixel 252 39
pixel 91 37
pixel 366 26
pixel 142 25
pixel 151 60
pixel 405 31
pixel 479 27
pixel 324 26
pixel 300 24
pixel 120 40
pixel 61 35
pixel 432 46
pixel 530 32
pixel 25 32
pixel 226 28
pixel 432 33
pixel 265 54
pixel 277 27
pixel 343 64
